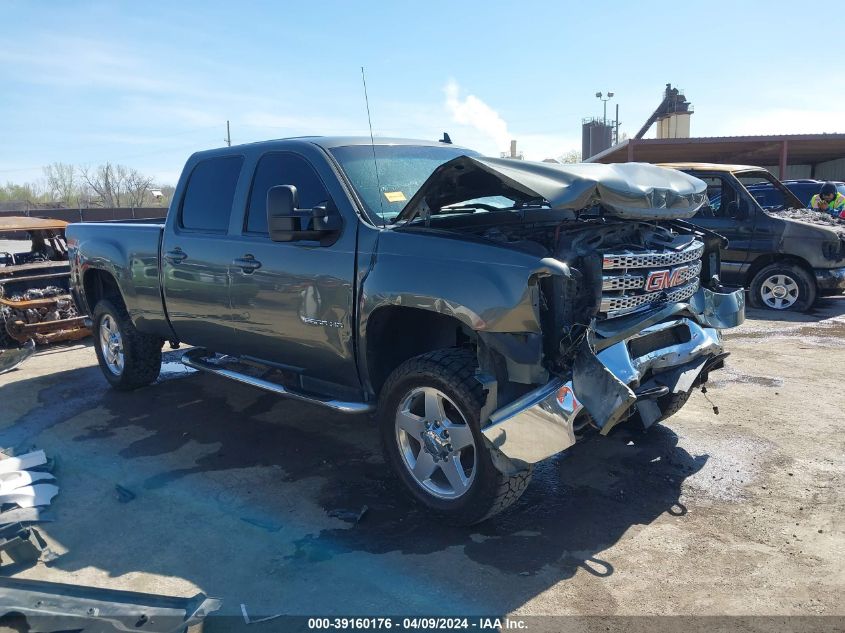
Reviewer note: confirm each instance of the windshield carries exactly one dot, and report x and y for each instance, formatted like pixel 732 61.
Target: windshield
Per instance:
pixel 402 169
pixel 769 192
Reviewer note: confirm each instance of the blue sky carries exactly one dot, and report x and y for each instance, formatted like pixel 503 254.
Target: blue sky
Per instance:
pixel 147 83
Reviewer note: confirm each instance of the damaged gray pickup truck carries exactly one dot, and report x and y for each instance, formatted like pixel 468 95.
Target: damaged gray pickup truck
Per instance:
pixel 491 311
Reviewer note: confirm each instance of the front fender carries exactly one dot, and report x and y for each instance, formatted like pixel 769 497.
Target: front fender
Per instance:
pixel 486 287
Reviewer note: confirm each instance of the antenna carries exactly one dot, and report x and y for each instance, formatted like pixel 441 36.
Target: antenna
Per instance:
pixel 373 146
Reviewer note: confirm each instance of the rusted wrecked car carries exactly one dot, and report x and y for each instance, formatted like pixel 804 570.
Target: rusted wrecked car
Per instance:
pixel 35 304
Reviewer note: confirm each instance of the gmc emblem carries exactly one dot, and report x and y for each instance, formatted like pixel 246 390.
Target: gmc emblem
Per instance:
pixel 662 279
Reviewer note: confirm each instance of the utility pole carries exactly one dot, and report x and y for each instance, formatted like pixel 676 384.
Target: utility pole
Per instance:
pixel 228 138
pixel 604 101
pixel 617 125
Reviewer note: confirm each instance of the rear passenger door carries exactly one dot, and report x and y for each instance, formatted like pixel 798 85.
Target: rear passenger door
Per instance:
pixel 197 253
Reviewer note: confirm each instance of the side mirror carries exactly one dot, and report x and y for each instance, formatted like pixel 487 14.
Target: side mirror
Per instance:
pixel 286 222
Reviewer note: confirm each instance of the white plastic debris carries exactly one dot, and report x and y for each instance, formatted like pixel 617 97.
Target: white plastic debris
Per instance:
pixel 31 496
pixel 23 462
pixel 19 478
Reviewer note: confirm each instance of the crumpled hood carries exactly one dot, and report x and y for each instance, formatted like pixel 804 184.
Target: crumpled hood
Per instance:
pixel 812 217
pixel 635 191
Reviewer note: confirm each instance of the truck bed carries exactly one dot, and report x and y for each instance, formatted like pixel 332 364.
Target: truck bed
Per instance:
pixel 131 253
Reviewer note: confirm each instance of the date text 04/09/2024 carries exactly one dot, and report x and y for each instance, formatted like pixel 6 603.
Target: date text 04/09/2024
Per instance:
pixel 416 623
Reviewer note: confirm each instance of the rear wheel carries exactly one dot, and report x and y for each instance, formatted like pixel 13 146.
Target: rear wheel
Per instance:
pixel 128 358
pixel 783 286
pixel 429 419
pixel 671 403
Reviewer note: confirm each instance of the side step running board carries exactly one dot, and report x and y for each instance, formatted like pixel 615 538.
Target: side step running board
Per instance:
pixel 194 358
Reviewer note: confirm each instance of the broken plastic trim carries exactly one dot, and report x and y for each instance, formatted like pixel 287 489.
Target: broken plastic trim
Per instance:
pixel 45 606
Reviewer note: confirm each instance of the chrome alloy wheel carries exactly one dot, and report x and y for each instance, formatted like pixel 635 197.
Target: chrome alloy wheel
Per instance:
pixel 436 443
pixel 779 292
pixel 111 344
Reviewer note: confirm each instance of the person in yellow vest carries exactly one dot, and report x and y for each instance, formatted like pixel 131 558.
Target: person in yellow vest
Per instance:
pixel 829 200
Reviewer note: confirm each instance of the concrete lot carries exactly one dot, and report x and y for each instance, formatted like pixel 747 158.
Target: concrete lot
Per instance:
pixel 735 513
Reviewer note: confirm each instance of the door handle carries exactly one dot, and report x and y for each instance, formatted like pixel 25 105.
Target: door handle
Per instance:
pixel 176 256
pixel 248 264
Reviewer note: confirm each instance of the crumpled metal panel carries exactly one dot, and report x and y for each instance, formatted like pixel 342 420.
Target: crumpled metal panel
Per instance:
pixel 541 423
pixel 720 310
pixel 11 358
pixel 634 191
pixel 537 425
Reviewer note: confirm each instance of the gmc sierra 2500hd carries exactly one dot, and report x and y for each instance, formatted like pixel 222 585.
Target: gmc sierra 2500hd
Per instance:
pixel 489 310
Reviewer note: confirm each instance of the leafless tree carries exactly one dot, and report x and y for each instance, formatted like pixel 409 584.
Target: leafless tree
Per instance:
pixel 117 185
pixel 572 156
pixel 101 182
pixel 61 182
pixel 137 187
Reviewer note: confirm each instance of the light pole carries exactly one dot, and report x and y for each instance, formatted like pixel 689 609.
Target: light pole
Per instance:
pixel 604 101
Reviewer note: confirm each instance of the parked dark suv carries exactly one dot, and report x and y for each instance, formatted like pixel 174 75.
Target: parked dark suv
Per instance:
pixel 784 254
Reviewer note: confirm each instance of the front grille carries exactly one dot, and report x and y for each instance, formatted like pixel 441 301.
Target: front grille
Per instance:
pixel 617 306
pixel 631 281
pixel 654 259
pixel 669 276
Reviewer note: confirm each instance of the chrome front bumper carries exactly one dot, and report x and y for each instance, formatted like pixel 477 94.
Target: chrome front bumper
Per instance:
pixel 543 422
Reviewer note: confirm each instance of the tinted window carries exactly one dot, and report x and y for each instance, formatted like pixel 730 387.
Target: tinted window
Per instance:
pixel 767 191
pixel 719 194
pixel 767 196
pixel 282 169
pixel 211 190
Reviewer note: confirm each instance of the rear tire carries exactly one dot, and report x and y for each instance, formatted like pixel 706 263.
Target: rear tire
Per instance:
pixel 671 403
pixel 782 286
pixel 430 407
pixel 128 358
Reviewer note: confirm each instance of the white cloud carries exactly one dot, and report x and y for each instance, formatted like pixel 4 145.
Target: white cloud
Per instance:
pixel 472 112
pixel 484 129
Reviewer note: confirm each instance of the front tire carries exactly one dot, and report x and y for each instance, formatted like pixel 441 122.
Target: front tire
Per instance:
pixel 782 286
pixel 128 358
pixel 429 420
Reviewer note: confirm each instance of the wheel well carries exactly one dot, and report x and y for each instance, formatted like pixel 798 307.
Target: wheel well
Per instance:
pixel 98 284
pixel 764 260
pixel 395 334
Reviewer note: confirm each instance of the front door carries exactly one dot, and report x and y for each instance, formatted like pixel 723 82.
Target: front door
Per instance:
pixel 726 212
pixel 293 302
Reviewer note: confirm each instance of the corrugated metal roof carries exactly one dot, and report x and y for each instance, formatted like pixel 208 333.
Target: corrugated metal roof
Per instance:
pixel 708 166
pixel 759 149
